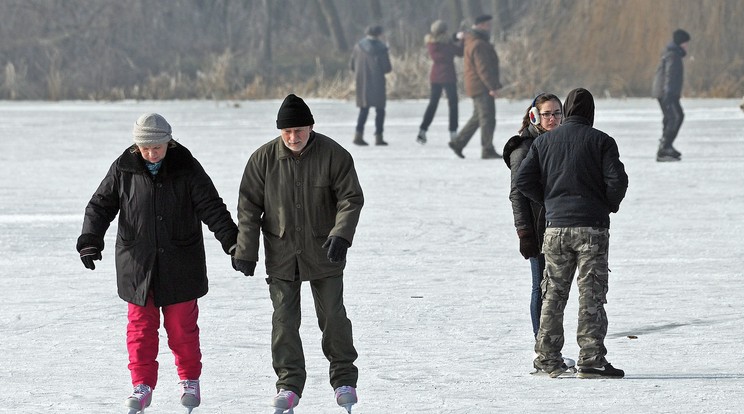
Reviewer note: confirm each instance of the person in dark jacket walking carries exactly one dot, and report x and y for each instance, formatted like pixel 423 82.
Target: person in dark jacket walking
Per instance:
pixel 302 192
pixel 370 62
pixel 576 173
pixel 667 88
pixel 442 50
pixel 162 196
pixel 481 72
pixel 543 115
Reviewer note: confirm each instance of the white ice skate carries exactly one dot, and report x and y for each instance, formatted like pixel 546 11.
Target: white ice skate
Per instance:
pixel 139 400
pixel 566 370
pixel 285 401
pixel 346 396
pixel 190 394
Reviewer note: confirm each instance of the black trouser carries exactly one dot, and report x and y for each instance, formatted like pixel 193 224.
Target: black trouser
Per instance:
pixel 379 119
pixel 673 117
pixel 436 92
pixel 287 355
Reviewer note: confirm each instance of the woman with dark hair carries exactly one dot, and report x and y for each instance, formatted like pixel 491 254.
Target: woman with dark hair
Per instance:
pixel 544 114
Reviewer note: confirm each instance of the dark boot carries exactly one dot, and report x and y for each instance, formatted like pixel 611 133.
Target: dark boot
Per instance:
pixel 456 148
pixel 358 140
pixel 379 140
pixel 490 154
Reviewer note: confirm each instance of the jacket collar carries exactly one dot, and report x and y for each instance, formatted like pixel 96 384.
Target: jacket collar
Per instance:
pixel 176 159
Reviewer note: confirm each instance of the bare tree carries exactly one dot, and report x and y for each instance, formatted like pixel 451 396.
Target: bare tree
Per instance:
pixel 328 7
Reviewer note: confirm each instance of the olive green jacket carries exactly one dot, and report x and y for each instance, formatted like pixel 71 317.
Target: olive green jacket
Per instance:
pixel 298 202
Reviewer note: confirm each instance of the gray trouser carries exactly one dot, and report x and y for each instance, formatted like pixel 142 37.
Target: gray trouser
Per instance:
pixel 484 117
pixel 568 249
pixel 287 355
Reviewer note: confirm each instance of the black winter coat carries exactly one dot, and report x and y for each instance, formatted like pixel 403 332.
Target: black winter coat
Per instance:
pixel 159 242
pixel 575 170
pixel 669 75
pixel 528 215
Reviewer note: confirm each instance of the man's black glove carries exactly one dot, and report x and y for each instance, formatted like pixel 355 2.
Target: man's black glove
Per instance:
pixel 527 243
pixel 88 255
pixel 245 266
pixel 337 248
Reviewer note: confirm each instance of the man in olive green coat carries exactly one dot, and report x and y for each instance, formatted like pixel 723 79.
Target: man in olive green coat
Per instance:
pixel 301 190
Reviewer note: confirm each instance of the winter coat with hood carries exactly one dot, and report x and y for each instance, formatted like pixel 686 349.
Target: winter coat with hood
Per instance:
pixel 480 64
pixel 528 215
pixel 159 242
pixel 298 202
pixel 370 62
pixel 669 75
pixel 575 170
pixel 442 50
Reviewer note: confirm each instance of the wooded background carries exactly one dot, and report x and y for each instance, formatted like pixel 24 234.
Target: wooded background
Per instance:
pixel 253 49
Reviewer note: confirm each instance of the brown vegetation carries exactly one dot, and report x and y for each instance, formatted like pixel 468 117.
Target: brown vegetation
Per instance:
pixel 253 49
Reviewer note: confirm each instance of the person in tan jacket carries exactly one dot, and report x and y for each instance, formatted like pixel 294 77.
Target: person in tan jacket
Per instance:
pixel 481 72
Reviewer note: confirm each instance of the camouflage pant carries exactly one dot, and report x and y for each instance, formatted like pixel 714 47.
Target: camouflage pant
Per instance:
pixel 566 250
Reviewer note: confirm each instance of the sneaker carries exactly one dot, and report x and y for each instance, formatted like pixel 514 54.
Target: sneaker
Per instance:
pixel 346 396
pixel 190 393
pixel 421 137
pixel 607 371
pixel 285 400
pixel 456 149
pixel 140 399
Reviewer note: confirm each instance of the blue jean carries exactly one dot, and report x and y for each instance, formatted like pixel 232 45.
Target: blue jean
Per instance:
pixel 436 92
pixel 537 264
pixel 379 119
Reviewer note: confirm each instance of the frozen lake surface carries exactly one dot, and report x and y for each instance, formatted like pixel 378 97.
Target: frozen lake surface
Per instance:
pixel 435 286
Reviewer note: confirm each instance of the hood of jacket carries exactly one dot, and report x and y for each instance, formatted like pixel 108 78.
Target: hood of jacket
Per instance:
pixel 579 103
pixel 372 46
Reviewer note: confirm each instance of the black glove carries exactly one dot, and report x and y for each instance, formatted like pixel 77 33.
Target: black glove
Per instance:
pixel 527 243
pixel 337 248
pixel 88 255
pixel 245 266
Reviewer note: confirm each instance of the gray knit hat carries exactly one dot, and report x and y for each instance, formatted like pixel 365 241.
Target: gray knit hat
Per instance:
pixel 151 129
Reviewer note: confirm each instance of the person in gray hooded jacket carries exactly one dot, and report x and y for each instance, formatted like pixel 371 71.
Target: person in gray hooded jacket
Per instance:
pixel 576 173
pixel 370 62
pixel 667 88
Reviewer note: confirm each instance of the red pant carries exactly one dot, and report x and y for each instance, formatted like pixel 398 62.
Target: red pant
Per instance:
pixel 179 321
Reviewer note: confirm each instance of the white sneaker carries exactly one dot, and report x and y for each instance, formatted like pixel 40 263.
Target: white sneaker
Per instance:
pixel 190 393
pixel 285 401
pixel 346 396
pixel 140 399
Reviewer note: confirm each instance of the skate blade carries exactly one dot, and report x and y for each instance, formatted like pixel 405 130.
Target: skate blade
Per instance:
pixel 347 407
pixel 283 411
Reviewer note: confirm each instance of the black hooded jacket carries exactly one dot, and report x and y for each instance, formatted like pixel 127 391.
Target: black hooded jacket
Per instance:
pixel 575 170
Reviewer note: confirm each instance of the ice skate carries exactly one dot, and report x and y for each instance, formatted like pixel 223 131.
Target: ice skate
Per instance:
pixel 421 137
pixel 285 401
pixel 190 394
pixel 346 396
pixel 139 400
pixel 566 370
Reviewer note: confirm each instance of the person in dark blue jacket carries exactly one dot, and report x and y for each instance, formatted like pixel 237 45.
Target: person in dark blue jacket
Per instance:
pixel 576 173
pixel 667 88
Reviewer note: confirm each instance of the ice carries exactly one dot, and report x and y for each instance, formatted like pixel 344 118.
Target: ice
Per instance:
pixel 436 289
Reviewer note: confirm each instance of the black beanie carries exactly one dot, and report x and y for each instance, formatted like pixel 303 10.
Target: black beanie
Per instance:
pixel 680 36
pixel 294 113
